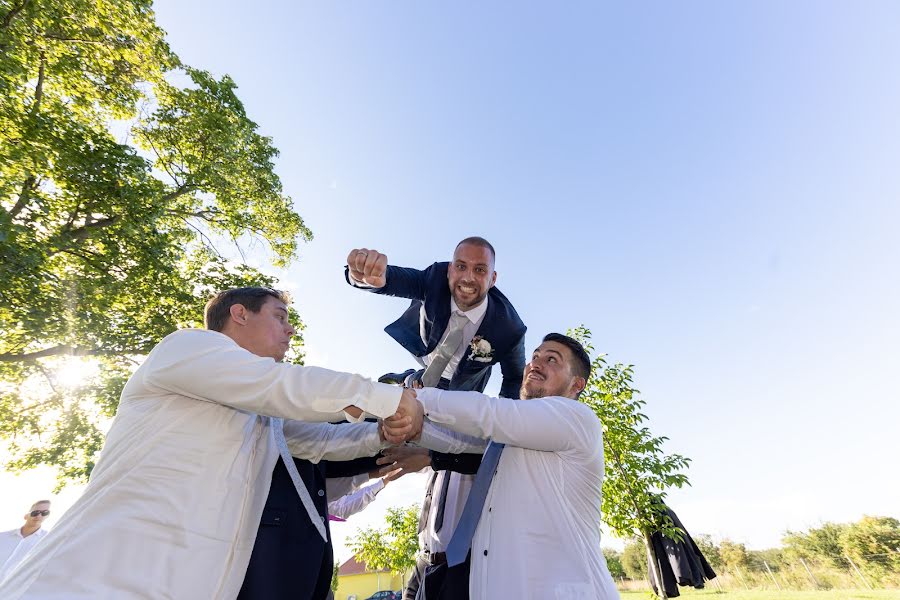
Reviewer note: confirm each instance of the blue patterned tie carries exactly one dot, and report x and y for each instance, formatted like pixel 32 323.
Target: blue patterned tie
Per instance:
pixel 461 541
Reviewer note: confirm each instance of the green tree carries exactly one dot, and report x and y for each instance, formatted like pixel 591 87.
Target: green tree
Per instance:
pixel 614 563
pixel 108 244
pixel 634 559
pixel 734 555
pixel 637 470
pixel 874 542
pixel 394 547
pixel 821 545
pixel 709 549
pixel 334 577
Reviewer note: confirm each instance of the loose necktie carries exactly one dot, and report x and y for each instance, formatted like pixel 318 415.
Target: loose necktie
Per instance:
pixel 461 541
pixel 278 427
pixel 426 505
pixel 446 350
pixel 442 502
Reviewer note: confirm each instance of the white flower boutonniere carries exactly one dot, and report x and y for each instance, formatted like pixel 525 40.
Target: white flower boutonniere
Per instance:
pixel 481 350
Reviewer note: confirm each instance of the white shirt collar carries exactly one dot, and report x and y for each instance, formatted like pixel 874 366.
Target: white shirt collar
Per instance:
pixel 474 314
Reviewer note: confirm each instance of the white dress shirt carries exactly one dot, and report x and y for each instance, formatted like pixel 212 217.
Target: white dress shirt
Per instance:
pixel 174 503
pixel 475 317
pixel 460 483
pixel 539 533
pixel 14 546
pixel 352 503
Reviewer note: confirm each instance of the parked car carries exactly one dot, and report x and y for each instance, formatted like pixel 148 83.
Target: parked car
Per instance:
pixel 386 595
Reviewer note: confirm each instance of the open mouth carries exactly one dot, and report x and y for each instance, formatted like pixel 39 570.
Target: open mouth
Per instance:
pixel 467 289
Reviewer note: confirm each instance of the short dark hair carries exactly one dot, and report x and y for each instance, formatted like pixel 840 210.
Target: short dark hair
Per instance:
pixel 218 309
pixel 478 241
pixel 582 365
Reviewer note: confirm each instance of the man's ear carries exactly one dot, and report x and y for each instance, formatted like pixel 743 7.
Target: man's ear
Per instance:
pixel 578 385
pixel 238 314
pixel 493 279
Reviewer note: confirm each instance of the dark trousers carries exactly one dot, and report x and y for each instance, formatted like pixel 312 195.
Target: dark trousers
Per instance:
pixel 440 582
pixel 412 586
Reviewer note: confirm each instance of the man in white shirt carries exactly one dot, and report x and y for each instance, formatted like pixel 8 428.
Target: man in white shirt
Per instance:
pixel 14 544
pixel 532 521
pixel 174 502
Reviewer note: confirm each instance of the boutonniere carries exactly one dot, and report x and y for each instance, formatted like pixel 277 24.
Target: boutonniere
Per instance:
pixel 481 350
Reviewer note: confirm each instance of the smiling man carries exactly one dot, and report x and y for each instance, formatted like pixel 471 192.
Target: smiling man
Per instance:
pixel 174 503
pixel 532 520
pixel 458 326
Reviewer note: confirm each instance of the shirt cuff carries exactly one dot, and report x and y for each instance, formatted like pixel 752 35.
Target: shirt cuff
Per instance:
pixel 382 402
pixel 431 403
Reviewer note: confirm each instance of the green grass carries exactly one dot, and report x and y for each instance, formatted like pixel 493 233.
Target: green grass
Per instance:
pixel 710 594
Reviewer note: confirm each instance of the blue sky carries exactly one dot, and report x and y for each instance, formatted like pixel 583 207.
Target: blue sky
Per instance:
pixel 711 187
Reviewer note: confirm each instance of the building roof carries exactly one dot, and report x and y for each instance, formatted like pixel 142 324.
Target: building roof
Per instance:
pixel 355 567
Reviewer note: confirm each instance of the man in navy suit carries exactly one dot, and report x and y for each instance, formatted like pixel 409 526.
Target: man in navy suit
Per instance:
pixel 458 326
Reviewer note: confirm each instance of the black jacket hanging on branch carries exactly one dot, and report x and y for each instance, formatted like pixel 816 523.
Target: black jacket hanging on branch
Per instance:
pixel 680 563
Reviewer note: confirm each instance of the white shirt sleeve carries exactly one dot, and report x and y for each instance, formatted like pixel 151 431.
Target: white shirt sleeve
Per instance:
pixel 355 502
pixel 210 366
pixel 441 439
pixel 552 424
pixel 327 441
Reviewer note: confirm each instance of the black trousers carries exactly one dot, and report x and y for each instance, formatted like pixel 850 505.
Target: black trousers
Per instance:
pixel 440 582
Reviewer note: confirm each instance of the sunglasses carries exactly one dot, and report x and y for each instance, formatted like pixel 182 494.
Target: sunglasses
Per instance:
pixel 35 513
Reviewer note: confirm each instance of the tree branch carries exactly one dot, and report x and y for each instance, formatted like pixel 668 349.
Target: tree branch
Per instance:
pixel 12 14
pixel 28 185
pixel 84 232
pixel 54 351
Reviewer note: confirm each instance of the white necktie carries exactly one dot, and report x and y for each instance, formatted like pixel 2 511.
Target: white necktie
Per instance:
pixel 446 350
pixel 278 427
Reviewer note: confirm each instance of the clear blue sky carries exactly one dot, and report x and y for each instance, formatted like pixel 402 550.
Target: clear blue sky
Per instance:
pixel 711 187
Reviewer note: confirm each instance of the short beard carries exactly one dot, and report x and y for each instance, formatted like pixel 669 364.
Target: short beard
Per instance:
pixel 525 395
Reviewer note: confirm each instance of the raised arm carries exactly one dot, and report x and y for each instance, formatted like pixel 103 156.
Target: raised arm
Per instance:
pixel 209 366
pixel 369 270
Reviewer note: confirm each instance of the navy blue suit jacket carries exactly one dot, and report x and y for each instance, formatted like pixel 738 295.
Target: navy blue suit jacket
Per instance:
pixel 501 326
pixel 290 560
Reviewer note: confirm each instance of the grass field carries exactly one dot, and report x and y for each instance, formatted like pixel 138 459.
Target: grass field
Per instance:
pixel 776 595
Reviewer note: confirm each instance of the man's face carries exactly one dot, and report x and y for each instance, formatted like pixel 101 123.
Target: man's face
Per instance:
pixel 471 275
pixel 267 332
pixel 549 373
pixel 39 518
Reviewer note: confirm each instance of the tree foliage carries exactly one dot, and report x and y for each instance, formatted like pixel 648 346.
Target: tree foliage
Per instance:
pixel 115 187
pixel 394 547
pixel 634 559
pixel 637 470
pixel 614 563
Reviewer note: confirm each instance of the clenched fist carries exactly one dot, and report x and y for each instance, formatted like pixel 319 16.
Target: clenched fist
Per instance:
pixel 368 266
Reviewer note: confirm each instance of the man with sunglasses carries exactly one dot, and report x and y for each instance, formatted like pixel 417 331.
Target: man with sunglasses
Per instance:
pixel 14 544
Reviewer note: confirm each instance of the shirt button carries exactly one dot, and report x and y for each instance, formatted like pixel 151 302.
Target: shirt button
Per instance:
pixel 485 552
pixel 321 493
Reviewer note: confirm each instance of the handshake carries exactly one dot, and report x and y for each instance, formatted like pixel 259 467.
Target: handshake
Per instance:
pixel 405 424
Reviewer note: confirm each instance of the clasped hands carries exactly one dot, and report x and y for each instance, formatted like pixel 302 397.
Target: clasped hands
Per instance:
pixel 406 423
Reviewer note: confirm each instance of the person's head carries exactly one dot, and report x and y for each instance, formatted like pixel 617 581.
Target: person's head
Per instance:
pixel 471 272
pixel 560 366
pixel 37 513
pixel 254 317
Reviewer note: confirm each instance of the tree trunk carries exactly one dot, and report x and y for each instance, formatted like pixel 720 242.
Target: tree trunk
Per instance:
pixel 653 566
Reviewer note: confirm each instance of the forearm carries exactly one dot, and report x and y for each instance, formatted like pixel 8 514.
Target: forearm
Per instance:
pixel 326 441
